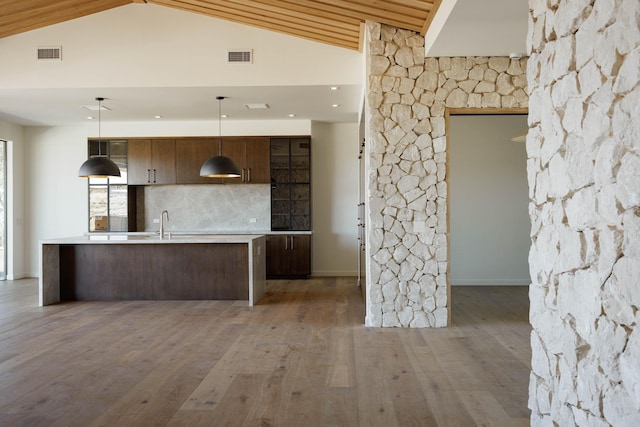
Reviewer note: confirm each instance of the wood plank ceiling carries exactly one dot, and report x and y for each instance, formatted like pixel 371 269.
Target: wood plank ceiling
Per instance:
pixel 334 22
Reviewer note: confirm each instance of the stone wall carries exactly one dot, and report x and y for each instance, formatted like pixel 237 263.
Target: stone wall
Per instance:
pixel 584 178
pixel 407 97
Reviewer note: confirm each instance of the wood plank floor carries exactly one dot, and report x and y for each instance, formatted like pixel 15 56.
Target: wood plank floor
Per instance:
pixel 300 358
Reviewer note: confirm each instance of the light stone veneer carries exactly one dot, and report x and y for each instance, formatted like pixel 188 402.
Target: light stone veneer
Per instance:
pixel 584 177
pixel 407 96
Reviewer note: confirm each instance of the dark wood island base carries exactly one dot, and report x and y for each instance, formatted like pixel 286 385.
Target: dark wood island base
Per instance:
pixel 154 270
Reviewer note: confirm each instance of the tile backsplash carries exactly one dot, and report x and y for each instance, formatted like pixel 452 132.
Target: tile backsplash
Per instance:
pixel 215 207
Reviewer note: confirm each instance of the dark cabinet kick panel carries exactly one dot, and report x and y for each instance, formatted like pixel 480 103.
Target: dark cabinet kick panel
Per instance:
pixel 154 272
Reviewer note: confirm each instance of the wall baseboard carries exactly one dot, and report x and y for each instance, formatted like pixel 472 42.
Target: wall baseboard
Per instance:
pixel 334 273
pixel 20 276
pixel 500 282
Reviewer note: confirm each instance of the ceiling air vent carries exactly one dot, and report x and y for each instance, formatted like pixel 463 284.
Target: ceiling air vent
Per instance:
pixel 244 56
pixel 49 53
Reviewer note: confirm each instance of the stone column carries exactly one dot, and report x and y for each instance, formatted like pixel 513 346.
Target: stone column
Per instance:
pixel 407 100
pixel 583 168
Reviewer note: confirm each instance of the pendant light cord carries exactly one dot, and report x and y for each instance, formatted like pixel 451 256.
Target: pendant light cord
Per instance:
pixel 220 98
pixel 99 125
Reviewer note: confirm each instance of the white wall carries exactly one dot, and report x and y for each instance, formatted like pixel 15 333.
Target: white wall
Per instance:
pixel 146 45
pixel 488 201
pixel 14 134
pixel 55 198
pixel 334 187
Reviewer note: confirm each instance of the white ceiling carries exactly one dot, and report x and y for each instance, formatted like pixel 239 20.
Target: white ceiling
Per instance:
pixel 50 107
pixel 473 28
pixel 482 28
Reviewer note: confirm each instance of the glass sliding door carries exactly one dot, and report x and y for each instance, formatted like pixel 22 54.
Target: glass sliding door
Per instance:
pixel 108 203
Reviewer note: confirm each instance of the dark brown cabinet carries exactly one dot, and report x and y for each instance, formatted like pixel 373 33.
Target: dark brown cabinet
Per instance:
pixel 151 161
pixel 288 256
pixel 251 154
pixel 291 184
pixel 190 155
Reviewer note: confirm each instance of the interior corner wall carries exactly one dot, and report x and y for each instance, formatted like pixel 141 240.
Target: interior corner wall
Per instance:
pixel 489 223
pixel 406 207
pixel 334 188
pixel 56 200
pixel 583 150
pixel 15 192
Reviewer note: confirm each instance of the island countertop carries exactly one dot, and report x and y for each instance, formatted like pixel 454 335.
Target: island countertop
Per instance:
pixel 148 238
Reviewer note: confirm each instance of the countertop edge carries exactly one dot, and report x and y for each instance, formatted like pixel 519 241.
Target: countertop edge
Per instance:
pixel 151 239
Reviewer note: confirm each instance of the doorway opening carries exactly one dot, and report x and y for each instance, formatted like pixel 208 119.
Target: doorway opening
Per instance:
pixel 488 200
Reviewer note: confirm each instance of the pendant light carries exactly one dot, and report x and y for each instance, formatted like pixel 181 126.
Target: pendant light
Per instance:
pixel 220 166
pixel 99 167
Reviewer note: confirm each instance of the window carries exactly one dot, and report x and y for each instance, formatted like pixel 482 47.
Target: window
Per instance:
pixel 108 197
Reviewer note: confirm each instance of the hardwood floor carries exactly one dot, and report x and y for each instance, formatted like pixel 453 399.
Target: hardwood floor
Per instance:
pixel 300 358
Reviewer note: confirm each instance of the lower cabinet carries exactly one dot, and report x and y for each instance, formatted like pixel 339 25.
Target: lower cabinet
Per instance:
pixel 288 256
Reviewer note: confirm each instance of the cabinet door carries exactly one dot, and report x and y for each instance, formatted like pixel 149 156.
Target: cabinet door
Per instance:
pixel 299 247
pixel 139 162
pixel 234 148
pixel 163 161
pixel 257 161
pixel 277 255
pixel 190 155
pixel 290 184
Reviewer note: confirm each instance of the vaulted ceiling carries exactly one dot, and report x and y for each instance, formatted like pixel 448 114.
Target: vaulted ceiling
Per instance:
pixel 335 22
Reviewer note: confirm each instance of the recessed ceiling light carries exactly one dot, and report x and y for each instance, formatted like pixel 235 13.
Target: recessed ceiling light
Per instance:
pixel 335 87
pixel 158 117
pixel 292 115
pixel 256 106
pixel 224 116
pixel 335 105
pixel 90 117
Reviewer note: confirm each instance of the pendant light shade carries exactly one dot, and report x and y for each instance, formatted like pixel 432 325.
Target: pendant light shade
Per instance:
pixel 99 167
pixel 220 166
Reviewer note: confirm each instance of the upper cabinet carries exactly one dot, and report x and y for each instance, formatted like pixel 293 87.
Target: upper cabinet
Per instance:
pixel 191 153
pixel 291 183
pixel 251 154
pixel 169 161
pixel 152 161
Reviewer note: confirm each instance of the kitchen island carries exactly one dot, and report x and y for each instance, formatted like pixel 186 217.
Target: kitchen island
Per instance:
pixel 145 267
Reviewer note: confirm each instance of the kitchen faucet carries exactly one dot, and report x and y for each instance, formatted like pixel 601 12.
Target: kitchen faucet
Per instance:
pixel 162 222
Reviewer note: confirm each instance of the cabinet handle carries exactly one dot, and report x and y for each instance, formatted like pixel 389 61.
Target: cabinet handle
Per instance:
pixel 291 242
pixel 248 174
pixel 154 175
pixel 286 243
pixel 148 175
pixel 242 175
